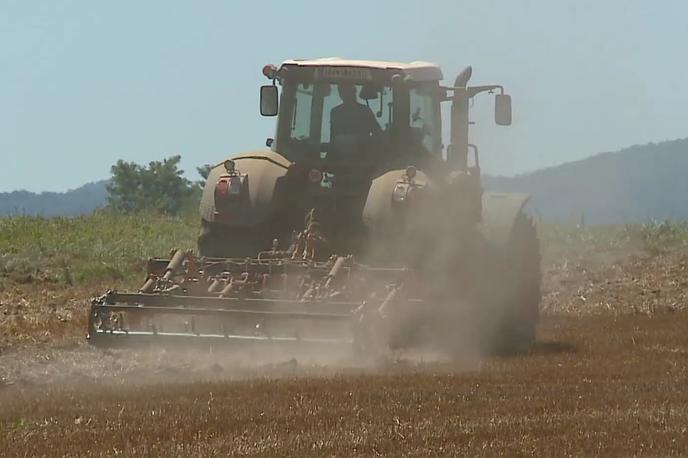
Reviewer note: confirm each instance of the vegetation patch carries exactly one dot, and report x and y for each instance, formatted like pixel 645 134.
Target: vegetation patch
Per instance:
pixel 103 246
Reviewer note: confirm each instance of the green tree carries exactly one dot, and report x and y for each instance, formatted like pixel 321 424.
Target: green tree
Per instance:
pixel 160 187
pixel 203 171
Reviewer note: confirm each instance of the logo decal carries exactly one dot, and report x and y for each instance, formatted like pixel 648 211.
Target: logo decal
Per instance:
pixel 345 73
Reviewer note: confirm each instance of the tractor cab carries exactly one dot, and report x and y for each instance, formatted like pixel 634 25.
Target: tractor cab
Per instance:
pixel 372 116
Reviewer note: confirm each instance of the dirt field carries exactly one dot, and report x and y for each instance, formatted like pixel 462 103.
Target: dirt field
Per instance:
pixel 607 377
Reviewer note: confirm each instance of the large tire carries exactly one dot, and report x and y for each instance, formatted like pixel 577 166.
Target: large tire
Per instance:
pixel 520 321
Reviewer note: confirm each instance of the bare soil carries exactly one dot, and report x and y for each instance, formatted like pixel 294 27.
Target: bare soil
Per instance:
pixel 606 377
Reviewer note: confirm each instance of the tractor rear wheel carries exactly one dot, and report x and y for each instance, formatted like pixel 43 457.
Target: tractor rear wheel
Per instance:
pixel 524 269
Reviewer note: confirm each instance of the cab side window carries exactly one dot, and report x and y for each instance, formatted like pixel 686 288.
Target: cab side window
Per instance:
pixel 423 118
pixel 301 116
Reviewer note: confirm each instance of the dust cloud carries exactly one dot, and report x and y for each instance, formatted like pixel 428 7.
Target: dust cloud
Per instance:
pixel 83 366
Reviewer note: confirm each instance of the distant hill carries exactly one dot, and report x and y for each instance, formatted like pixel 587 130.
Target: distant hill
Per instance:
pixel 635 184
pixel 78 201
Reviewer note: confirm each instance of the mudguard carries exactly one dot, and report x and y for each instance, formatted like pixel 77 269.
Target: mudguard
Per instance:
pixel 264 169
pixel 378 207
pixel 500 211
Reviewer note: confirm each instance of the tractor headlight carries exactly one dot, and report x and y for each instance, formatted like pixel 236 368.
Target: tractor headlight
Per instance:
pixel 400 193
pixel 230 166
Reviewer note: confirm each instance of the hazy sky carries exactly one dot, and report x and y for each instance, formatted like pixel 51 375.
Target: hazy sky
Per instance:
pixel 85 83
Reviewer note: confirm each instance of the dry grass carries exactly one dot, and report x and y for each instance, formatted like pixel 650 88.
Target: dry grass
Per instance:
pixel 50 267
pixel 596 385
pixel 586 282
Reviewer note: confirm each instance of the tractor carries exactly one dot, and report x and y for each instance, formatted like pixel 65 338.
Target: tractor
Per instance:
pixel 353 225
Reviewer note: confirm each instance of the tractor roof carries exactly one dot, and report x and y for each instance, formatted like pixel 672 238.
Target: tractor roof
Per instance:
pixel 417 70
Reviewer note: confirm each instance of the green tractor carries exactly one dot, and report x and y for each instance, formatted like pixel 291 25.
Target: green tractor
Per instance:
pixel 354 225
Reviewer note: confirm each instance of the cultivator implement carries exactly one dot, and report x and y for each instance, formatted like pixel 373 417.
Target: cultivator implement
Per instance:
pixel 278 297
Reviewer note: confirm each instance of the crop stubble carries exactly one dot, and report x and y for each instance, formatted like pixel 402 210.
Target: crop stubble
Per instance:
pixel 607 377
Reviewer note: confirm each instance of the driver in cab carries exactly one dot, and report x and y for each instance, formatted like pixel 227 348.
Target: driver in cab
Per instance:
pixel 350 119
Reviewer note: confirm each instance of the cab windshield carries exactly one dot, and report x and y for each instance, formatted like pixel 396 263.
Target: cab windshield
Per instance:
pixel 341 120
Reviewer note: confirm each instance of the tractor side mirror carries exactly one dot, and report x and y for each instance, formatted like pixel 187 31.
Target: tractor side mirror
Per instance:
pixel 268 100
pixel 503 110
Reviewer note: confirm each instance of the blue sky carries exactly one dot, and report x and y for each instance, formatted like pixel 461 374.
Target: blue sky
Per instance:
pixel 85 83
